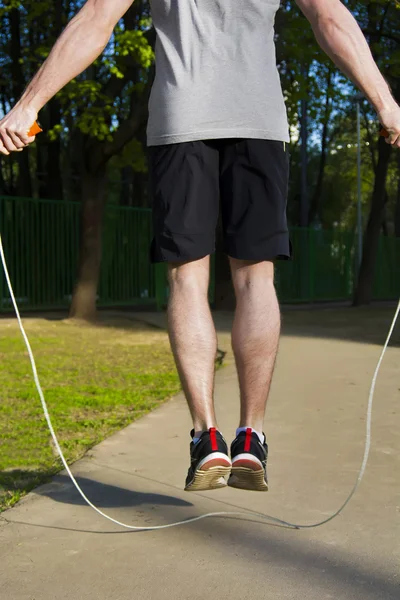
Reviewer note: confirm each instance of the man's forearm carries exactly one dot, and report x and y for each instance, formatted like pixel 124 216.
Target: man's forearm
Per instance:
pixel 64 61
pixel 341 38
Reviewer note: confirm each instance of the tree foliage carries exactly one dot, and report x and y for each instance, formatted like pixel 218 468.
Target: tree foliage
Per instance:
pixel 96 125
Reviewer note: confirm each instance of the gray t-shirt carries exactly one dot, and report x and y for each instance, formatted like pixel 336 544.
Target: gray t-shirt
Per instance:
pixel 216 74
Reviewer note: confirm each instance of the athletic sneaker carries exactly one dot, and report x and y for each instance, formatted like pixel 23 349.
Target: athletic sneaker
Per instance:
pixel 210 463
pixel 249 462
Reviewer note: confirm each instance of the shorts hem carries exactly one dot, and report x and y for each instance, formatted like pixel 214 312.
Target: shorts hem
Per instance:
pixel 278 247
pixel 165 249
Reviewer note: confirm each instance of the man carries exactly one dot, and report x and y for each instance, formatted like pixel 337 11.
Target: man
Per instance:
pixel 217 131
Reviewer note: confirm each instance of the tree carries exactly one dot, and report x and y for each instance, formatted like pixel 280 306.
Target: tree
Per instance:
pixel 381 21
pixel 92 149
pixel 90 121
pixel 120 84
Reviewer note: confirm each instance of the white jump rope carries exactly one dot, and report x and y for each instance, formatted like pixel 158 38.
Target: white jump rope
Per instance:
pixel 214 514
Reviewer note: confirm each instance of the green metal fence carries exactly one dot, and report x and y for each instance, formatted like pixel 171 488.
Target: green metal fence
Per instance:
pixel 126 276
pixel 322 268
pixel 387 274
pixel 41 243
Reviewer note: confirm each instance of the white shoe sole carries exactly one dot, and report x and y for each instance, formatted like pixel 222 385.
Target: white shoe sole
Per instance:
pixel 246 474
pixel 211 474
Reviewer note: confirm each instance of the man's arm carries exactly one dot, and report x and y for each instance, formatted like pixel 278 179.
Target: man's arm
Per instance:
pixel 339 35
pixel 82 41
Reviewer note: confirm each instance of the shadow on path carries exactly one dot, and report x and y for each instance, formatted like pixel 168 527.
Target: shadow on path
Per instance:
pixel 293 553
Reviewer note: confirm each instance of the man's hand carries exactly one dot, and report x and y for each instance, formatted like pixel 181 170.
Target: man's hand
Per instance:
pixel 14 128
pixel 81 42
pixel 390 120
pixel 339 35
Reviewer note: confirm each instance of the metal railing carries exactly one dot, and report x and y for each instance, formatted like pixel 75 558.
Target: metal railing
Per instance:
pixel 324 267
pixel 41 243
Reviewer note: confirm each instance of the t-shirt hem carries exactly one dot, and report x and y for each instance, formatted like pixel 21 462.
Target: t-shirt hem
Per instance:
pixel 216 134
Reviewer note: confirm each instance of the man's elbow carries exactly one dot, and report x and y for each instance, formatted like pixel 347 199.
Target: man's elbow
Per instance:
pixel 322 15
pixel 106 13
pixel 95 16
pixel 91 23
pixel 324 23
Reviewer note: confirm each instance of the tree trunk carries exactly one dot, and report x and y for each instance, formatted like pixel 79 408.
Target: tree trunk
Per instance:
pixel 127 176
pixel 314 208
pixel 96 156
pixel 83 304
pixel 24 183
pixel 52 186
pixel 75 161
pixel 304 205
pixel 363 292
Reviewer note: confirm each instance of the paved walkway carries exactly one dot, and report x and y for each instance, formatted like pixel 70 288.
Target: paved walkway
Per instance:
pixel 52 547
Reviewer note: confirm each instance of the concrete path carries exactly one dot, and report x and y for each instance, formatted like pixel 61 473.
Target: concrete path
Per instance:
pixel 52 547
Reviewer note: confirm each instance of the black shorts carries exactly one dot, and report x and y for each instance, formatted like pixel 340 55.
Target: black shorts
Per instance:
pixel 190 180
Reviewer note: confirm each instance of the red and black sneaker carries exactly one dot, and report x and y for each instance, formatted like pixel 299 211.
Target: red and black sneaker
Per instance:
pixel 249 462
pixel 210 463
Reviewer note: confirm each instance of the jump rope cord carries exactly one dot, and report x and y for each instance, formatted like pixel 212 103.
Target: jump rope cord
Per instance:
pixel 247 514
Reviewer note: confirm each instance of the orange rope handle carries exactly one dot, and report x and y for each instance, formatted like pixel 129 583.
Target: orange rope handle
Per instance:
pixel 35 129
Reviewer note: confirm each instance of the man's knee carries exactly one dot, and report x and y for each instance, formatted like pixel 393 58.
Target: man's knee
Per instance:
pixel 248 275
pixel 189 274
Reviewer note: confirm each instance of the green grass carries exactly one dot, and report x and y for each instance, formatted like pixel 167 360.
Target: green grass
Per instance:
pixel 96 379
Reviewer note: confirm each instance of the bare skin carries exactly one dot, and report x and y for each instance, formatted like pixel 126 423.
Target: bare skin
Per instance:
pixel 191 329
pixel 255 337
pixel 81 42
pixel 193 338
pixel 88 32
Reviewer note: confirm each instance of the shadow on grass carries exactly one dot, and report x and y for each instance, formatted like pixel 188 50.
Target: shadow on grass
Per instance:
pixel 364 324
pixel 15 483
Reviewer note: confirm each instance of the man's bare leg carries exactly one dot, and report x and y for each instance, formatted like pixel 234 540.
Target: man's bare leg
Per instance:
pixel 255 336
pixel 193 338
pixel 194 344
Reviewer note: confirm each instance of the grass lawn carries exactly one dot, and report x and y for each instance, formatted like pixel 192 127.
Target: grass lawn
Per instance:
pixel 96 380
